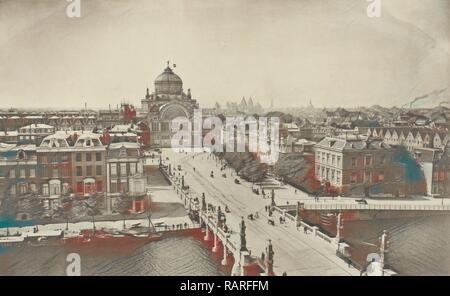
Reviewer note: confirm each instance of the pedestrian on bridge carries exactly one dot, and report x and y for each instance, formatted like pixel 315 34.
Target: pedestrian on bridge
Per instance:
pixel 305 230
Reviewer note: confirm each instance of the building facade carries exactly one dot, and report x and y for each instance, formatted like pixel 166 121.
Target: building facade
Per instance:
pixel 346 164
pixel 18 166
pixel 125 169
pixel 71 164
pixel 167 102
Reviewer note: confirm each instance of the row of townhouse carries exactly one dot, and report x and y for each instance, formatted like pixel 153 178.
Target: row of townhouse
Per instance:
pixel 36 132
pixel 59 121
pixel 411 138
pixel 71 164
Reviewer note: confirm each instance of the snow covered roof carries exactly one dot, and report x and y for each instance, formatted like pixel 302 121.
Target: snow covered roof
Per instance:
pixel 120 128
pixel 33 117
pixel 342 144
pixel 88 140
pixel 38 125
pixel 27 147
pixel 304 142
pixel 126 135
pixel 56 140
pixel 10 133
pixel 124 149
pixel 119 145
pixel 6 147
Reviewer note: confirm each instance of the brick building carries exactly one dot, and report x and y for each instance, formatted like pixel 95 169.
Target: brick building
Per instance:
pixel 17 170
pixel 361 166
pixel 69 163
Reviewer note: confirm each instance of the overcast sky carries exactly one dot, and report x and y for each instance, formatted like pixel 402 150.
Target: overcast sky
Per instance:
pixel 290 51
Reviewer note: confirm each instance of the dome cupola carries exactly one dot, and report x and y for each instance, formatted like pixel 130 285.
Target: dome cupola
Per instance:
pixel 168 83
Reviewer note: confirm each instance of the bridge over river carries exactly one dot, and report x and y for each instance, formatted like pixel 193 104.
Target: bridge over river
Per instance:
pixel 295 252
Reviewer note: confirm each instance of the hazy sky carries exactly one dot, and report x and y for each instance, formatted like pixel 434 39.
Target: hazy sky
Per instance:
pixel 290 51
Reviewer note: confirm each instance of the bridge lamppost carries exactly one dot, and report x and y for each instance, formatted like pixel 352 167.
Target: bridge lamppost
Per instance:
pixel 339 226
pixel 269 258
pixel 273 198
pixel 224 261
pixel 300 206
pixel 383 247
pixel 243 246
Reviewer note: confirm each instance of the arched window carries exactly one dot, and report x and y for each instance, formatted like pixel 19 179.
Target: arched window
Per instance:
pixel 21 154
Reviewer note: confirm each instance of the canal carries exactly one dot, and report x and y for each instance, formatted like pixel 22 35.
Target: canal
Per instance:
pixel 176 256
pixel 418 246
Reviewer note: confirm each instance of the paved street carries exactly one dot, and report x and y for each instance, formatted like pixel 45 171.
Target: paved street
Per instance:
pixel 295 252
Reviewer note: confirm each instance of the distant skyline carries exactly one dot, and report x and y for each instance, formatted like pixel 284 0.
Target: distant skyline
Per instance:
pixel 287 51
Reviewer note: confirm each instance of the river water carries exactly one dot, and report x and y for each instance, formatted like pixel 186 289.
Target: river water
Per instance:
pixel 176 256
pixel 418 246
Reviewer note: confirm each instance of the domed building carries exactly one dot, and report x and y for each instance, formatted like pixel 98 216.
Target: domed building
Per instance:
pixel 167 102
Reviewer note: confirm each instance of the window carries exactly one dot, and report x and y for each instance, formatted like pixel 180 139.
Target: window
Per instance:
pixel 353 178
pixel 98 156
pixel 338 177
pixel 88 156
pixel 367 177
pixel 12 173
pixel 21 154
pixel 164 126
pixel 32 173
pixel 333 159
pixel 441 175
pixel 124 187
pixel 55 172
pixel 113 169
pixel 98 170
pixel 79 171
pixel 132 168
pixel 22 173
pixel 89 170
pixel 368 160
pixel 353 161
pixel 123 169
pixel 78 157
pixel 113 186
pixel 380 177
pixel 140 167
pixel 338 161
pixel 99 185
pixel 80 187
pixel 45 190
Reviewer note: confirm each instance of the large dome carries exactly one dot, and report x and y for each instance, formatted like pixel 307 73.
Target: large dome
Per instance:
pixel 168 83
